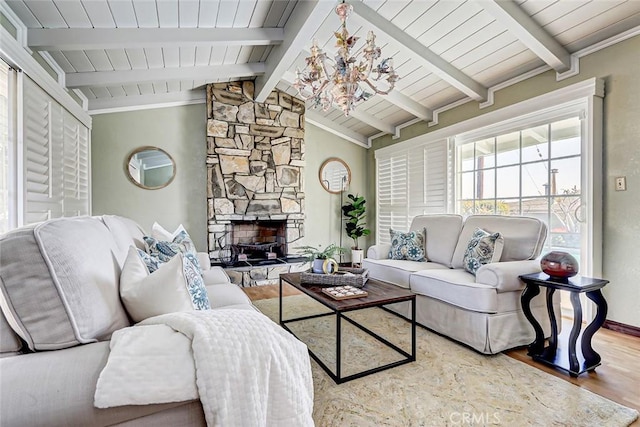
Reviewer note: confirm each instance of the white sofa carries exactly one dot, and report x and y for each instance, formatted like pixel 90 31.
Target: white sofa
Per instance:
pixel 481 311
pixel 59 283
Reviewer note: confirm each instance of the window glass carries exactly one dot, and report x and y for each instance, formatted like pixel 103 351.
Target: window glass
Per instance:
pixel 508 149
pixel 485 152
pixel 565 135
pixel 508 182
pixel 486 183
pixel 535 179
pixel 535 144
pixel 565 176
pixel 466 157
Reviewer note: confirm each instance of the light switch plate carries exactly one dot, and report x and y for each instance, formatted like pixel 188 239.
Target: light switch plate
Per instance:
pixel 621 183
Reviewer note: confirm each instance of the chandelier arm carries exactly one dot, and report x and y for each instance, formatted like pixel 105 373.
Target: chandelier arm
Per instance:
pixel 378 91
pixel 314 93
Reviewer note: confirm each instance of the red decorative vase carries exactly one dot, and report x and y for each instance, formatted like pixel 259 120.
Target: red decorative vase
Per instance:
pixel 559 265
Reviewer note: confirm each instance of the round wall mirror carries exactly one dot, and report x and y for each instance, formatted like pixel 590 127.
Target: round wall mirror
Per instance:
pixel 334 175
pixel 150 168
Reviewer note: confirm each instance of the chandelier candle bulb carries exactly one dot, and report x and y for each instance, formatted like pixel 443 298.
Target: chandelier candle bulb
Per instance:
pixel 341 87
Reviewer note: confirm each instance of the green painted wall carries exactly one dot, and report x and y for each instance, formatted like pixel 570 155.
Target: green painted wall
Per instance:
pixel 619 66
pixel 180 131
pixel 322 209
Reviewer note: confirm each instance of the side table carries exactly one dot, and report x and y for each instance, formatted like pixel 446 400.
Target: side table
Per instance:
pixel 577 362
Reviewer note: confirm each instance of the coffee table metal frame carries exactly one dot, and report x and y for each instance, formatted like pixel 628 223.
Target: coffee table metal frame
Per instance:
pixel 338 308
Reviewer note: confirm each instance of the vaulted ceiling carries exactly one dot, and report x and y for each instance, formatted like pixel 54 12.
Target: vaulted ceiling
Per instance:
pixel 128 53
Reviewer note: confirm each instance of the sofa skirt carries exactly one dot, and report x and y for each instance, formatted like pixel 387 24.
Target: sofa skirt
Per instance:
pixel 488 333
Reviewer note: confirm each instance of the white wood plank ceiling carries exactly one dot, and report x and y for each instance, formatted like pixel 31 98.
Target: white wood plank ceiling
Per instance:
pixel 124 53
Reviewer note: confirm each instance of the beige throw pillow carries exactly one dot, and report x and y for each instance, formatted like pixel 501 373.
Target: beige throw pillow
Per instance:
pixel 146 295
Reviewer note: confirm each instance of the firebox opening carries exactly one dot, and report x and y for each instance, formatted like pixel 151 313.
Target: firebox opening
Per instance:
pixel 255 240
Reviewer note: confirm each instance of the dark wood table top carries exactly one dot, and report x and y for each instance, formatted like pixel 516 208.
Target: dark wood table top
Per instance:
pixel 572 284
pixel 380 293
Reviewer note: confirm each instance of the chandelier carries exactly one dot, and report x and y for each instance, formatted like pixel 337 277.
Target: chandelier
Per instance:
pixel 338 82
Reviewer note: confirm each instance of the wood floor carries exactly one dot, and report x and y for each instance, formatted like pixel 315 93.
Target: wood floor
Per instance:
pixel 617 379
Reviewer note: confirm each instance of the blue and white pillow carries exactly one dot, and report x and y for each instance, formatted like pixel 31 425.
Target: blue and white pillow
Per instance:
pixel 409 246
pixel 483 248
pixel 195 285
pixel 151 262
pixel 163 251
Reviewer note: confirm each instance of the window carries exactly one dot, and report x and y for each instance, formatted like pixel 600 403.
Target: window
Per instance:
pixel 55 160
pixel 410 182
pixel 534 172
pixel 541 157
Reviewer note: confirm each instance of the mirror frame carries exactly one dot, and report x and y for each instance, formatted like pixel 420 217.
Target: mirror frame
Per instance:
pixel 147 148
pixel 321 170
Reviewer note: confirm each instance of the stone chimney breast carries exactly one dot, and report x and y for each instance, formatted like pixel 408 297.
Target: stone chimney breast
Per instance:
pixel 255 160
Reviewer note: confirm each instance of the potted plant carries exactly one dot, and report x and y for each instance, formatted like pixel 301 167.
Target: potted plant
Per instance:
pixel 354 212
pixel 321 258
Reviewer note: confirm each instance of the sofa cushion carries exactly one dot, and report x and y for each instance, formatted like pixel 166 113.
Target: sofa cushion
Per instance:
pixel 442 235
pixel 225 295
pixel 483 248
pixel 175 286
pixel 523 236
pixel 397 271
pixel 60 283
pixel 456 287
pixel 409 245
pixel 125 232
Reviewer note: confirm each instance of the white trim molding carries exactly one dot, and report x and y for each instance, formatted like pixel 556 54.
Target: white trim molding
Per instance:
pixel 592 87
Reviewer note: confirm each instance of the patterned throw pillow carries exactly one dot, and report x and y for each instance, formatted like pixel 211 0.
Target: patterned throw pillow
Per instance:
pixel 483 248
pixel 195 285
pixel 409 246
pixel 163 251
pixel 151 262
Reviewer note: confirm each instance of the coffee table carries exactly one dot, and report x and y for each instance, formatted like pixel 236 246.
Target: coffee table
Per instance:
pixel 379 294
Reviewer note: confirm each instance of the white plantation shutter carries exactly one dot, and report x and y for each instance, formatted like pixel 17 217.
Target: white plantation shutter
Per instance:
pixel 392 196
pixel 54 159
pixel 410 182
pixel 75 167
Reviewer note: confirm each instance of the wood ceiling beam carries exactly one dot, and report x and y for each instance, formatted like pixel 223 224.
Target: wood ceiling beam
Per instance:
pixel 428 58
pixel 304 21
pixel 137 102
pixel 66 39
pixel 402 101
pixel 373 121
pixel 322 122
pixel 210 73
pixel 529 32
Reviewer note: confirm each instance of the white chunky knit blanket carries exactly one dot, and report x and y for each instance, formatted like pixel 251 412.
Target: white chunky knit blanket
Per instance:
pixel 246 370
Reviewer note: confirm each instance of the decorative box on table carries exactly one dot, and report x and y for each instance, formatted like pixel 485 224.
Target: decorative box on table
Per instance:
pixel 356 277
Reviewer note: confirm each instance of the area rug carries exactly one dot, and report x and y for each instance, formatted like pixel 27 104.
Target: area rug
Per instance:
pixel 448 385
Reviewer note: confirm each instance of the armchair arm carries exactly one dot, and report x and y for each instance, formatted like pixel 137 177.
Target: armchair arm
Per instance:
pixel 380 251
pixel 504 275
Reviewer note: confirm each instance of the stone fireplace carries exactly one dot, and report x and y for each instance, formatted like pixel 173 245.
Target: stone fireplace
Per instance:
pixel 255 168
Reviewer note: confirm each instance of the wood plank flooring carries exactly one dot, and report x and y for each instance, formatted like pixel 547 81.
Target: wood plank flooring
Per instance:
pixel 617 379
